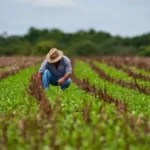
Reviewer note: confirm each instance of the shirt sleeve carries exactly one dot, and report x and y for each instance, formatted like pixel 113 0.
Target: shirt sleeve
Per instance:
pixel 68 68
pixel 43 66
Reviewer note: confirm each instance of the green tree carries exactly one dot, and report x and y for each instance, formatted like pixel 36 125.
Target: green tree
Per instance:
pixel 144 51
pixel 43 47
pixel 86 48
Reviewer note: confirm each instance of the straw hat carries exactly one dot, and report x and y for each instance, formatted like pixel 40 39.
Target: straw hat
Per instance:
pixel 54 55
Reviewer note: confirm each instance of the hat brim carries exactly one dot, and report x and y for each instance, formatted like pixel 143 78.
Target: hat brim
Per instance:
pixel 56 59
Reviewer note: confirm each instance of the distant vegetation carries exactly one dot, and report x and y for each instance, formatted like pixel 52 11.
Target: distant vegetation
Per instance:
pixel 80 43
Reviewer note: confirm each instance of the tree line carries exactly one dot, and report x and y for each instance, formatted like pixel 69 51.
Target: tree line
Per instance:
pixel 81 43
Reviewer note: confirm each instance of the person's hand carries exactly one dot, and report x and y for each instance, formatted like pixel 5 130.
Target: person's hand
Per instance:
pixel 61 81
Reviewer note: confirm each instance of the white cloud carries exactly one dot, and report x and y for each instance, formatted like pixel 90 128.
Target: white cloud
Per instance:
pixel 61 3
pixel 49 3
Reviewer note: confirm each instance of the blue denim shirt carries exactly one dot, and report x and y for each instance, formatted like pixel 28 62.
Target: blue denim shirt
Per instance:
pixel 63 67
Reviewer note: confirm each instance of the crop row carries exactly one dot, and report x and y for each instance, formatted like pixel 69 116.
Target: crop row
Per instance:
pixel 120 74
pixel 140 71
pixel 131 73
pixel 128 70
pixel 17 60
pixel 102 94
pixel 4 69
pixel 131 85
pixel 82 117
pixel 13 91
pixel 137 102
pixel 17 65
pixel 138 62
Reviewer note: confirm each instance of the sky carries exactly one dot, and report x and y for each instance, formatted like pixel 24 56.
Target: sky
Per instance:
pixel 118 17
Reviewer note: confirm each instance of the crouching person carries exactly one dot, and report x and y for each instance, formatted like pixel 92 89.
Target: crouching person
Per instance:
pixel 55 70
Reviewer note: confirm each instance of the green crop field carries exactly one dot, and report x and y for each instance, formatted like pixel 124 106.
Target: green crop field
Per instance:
pixel 106 107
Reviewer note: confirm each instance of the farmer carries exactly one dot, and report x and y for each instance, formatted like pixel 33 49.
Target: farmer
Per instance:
pixel 56 70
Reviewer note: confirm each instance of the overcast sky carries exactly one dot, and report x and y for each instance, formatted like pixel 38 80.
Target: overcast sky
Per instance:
pixel 122 17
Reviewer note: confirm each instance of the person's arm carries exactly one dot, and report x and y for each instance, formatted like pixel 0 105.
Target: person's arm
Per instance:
pixel 64 78
pixel 68 72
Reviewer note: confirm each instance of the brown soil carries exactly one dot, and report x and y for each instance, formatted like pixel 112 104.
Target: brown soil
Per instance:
pixel 37 91
pixel 139 62
pixel 16 64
